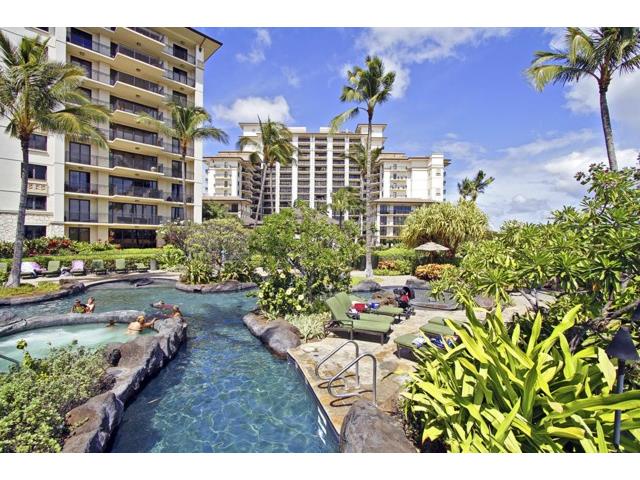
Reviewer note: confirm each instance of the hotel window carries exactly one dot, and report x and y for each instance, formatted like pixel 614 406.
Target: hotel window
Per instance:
pixel 86 91
pixel 81 38
pixel 37 172
pixel 36 202
pixel 180 98
pixel 79 234
pixel 86 65
pixel 34 231
pixel 176 169
pixel 79 210
pixel 179 75
pixel 180 52
pixel 38 142
pixel 177 213
pixel 80 153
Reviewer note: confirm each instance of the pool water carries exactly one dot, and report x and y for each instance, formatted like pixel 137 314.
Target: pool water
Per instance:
pixel 40 340
pixel 223 392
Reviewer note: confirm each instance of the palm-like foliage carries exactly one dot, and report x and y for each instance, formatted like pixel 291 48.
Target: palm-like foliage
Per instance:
pixel 188 123
pixel 368 87
pixel 41 95
pixel 271 146
pixel 598 54
pixel 470 188
pixel 346 199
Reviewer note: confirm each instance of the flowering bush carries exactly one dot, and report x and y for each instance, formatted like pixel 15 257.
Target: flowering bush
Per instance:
pixel 432 271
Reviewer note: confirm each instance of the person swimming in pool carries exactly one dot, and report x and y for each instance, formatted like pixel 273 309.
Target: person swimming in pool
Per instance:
pixel 139 324
pixel 78 307
pixel 90 306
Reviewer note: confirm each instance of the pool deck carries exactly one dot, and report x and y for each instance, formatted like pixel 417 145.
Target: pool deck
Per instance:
pixel 392 373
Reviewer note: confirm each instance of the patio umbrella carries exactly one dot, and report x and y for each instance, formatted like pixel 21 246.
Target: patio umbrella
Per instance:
pixel 431 247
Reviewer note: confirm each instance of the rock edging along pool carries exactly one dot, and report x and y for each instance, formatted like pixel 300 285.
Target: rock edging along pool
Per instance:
pixel 93 423
pixel 222 287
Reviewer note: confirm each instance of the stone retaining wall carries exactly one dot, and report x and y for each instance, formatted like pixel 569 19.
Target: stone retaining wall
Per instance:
pixel 222 287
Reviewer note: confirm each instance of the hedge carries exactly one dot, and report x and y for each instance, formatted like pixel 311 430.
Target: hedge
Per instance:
pixel 131 255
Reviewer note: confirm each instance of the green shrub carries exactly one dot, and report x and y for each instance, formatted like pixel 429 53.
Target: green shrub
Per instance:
pixel 401 259
pixel 432 271
pixel 171 257
pixel 35 398
pixel 490 393
pixel 283 293
pixel 390 273
pixel 311 325
pixel 198 271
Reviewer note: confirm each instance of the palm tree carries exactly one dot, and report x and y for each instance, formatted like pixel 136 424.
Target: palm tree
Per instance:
pixel 368 88
pixel 358 156
pixel 272 145
pixel 346 199
pixel 598 54
pixel 469 189
pixel 188 123
pixel 41 95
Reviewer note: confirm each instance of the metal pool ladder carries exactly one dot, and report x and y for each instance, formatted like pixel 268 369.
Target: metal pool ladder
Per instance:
pixel 10 359
pixel 356 362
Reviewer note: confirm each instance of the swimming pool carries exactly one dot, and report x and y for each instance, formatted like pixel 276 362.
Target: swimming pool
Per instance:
pixel 40 340
pixel 223 392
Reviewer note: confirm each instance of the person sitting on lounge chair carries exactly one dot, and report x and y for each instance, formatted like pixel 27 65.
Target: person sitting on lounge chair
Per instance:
pixel 78 307
pixel 139 324
pixel 90 306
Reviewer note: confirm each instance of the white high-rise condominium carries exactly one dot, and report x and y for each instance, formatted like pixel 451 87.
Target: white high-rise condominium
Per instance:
pixel 123 193
pixel 320 167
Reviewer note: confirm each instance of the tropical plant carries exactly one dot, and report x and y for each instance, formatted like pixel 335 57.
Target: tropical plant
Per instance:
pixel 469 188
pixel 213 211
pixel 35 398
pixel 176 233
pixel 171 257
pixel 489 393
pixel 37 94
pixel 271 146
pixel 310 325
pixel 368 87
pixel 306 258
pixel 198 272
pixel 346 199
pixel 598 54
pixel 449 224
pixel 188 123
pixel 432 271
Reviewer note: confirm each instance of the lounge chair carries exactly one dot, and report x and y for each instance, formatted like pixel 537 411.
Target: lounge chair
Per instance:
pixel 121 265
pixel 436 329
pixel 53 268
pixel 141 267
pixel 27 270
pixel 369 325
pixel 97 267
pixel 406 343
pixel 387 310
pixel 77 267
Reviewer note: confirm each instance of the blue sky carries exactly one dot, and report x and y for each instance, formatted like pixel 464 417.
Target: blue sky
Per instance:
pixel 460 91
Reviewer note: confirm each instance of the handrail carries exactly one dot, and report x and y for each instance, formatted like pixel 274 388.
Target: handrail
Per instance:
pixel 319 364
pixel 355 362
pixel 10 359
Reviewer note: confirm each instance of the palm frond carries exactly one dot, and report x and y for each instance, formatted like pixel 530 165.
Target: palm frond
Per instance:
pixel 339 120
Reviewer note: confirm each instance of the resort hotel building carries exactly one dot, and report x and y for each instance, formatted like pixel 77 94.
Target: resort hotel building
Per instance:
pixel 123 193
pixel 321 166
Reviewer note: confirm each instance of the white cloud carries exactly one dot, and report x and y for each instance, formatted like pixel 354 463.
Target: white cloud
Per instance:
pixel 549 143
pixel 260 43
pixel 291 76
pixel 457 149
pixel 248 109
pixel 401 47
pixel 623 98
pixel 557 41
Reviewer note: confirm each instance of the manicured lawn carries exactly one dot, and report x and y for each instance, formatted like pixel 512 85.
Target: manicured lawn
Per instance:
pixel 26 289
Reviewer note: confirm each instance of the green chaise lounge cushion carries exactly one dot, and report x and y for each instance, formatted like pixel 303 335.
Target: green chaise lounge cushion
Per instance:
pixel 436 329
pixel 121 265
pixel 339 310
pixel 388 310
pixel 53 268
pixel 406 341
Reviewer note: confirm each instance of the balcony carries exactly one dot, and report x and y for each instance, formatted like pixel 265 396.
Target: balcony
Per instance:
pixel 136 164
pixel 134 108
pixel 94 160
pixel 147 32
pixel 86 188
pixel 173 148
pixel 187 57
pixel 82 42
pixel 137 55
pixel 76 216
pixel 131 220
pixel 140 192
pixel 134 135
pixel 180 78
pixel 152 87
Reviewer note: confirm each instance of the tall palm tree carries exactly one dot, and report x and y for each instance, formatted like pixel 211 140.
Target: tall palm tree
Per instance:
pixel 358 156
pixel 188 123
pixel 599 53
pixel 469 189
pixel 272 145
pixel 41 95
pixel 368 88
pixel 346 199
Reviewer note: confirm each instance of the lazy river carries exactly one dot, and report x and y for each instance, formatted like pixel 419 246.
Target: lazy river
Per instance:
pixel 223 392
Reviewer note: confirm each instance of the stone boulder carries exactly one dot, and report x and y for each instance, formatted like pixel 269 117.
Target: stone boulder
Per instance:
pixel 417 283
pixel 278 336
pixel 366 286
pixel 92 424
pixel 7 317
pixel 484 302
pixel 367 429
pixel 385 297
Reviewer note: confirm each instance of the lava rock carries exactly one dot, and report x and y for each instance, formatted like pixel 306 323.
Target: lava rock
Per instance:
pixel 366 286
pixel 113 356
pixel 92 424
pixel 222 287
pixel 416 283
pixel 278 336
pixel 367 429
pixel 384 297
pixel 484 302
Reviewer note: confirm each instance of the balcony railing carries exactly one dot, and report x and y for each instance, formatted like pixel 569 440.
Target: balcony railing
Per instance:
pixel 71 216
pixel 152 87
pixel 173 148
pixel 95 160
pixel 136 164
pixel 179 77
pixel 89 188
pixel 98 47
pixel 147 32
pixel 187 57
pixel 131 220
pixel 138 55
pixel 141 192
pixel 134 108
pixel 135 136
pixel 180 101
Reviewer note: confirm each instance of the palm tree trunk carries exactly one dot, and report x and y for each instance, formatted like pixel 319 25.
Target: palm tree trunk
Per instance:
pixel 608 132
pixel 368 270
pixel 184 182
pixel 18 246
pixel 262 182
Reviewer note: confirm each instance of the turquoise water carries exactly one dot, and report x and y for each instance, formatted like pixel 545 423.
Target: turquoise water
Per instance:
pixel 223 392
pixel 40 340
